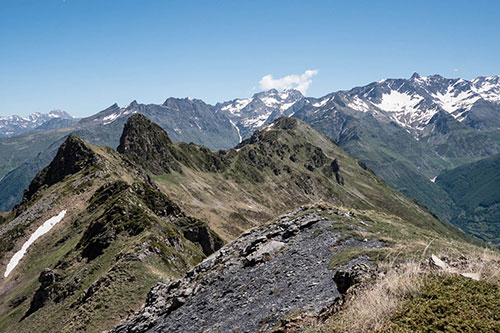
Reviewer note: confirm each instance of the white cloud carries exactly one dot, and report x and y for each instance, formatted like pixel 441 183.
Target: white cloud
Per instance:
pixel 300 82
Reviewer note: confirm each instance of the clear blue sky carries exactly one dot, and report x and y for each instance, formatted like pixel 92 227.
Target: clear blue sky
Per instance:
pixel 83 55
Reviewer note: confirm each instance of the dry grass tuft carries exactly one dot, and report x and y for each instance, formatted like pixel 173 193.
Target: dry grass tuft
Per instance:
pixel 373 306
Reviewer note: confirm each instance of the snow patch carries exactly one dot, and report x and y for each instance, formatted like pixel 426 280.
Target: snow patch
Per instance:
pixel 321 103
pixel 451 101
pixel 43 229
pixel 488 88
pixel 286 106
pixel 237 130
pixel 269 101
pixel 237 106
pixel 396 101
pixel 258 121
pixel 109 119
pixel 358 104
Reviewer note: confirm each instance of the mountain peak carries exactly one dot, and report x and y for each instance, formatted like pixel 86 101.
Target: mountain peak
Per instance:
pixel 415 76
pixel 147 144
pixel 132 104
pixel 60 114
pixel 73 155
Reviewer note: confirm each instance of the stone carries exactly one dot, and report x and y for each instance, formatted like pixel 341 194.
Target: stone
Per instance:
pixel 473 276
pixel 438 262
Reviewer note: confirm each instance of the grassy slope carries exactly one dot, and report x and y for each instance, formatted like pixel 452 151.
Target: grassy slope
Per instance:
pixel 121 275
pixel 475 189
pixel 406 295
pixel 450 304
pixel 394 155
pixel 246 194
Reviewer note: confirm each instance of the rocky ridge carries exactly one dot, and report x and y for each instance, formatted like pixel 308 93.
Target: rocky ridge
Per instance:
pixel 256 281
pixel 120 236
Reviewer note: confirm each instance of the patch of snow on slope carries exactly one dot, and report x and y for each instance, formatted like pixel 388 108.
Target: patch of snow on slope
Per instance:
pixel 269 101
pixel 488 88
pixel 286 106
pixel 397 102
pixel 451 101
pixel 320 104
pixel 258 121
pixel 283 95
pixel 237 130
pixel 358 104
pixel 43 229
pixel 109 119
pixel 237 106
pixel 422 80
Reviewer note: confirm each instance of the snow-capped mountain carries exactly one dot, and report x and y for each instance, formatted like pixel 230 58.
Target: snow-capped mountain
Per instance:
pixel 15 124
pixel 412 103
pixel 406 130
pixel 250 114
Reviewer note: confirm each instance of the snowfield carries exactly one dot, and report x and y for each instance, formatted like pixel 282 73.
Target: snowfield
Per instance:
pixel 43 229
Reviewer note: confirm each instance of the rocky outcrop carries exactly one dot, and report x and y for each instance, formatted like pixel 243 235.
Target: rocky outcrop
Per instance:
pixel 336 171
pixel 254 282
pixel 201 235
pixel 119 208
pixel 148 145
pixel 50 290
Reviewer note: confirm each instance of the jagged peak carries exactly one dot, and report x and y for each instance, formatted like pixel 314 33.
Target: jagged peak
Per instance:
pixel 132 105
pixel 73 155
pixel 114 106
pixel 147 144
pixel 174 102
pixel 415 76
pixel 138 126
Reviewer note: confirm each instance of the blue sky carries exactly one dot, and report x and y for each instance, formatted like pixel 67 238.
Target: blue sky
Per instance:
pixel 83 55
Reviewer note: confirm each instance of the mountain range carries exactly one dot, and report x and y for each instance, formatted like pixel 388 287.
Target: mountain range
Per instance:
pixel 408 131
pixel 158 235
pixel 43 121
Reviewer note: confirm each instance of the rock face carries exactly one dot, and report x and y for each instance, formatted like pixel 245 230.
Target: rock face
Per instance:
pixel 50 290
pixel 252 283
pixel 148 145
pixel 147 141
pixel 72 156
pixel 336 170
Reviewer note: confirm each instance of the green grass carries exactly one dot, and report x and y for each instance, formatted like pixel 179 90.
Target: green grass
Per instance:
pixel 347 254
pixel 450 304
pixel 475 190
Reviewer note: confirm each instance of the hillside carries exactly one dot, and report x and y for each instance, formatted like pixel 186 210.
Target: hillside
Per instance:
pixel 120 222
pixel 474 188
pixel 407 130
pixel 280 167
pixel 115 237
